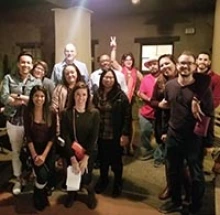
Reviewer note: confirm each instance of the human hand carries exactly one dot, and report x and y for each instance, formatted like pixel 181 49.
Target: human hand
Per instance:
pixel 163 104
pixel 75 165
pixel 163 137
pixel 124 140
pixel 39 160
pixel 83 165
pixel 196 110
pixel 113 42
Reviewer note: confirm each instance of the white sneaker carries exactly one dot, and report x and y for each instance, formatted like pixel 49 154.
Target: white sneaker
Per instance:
pixel 16 188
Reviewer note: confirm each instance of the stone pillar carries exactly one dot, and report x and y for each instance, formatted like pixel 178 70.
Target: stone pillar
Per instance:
pixel 216 39
pixel 73 25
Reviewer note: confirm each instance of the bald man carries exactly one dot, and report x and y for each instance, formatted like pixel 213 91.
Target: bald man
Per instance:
pixel 70 53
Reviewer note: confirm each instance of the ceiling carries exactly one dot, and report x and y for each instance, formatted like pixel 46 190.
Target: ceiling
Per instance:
pixel 121 6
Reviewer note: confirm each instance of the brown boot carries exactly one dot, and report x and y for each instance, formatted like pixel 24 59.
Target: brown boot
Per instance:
pixel 165 194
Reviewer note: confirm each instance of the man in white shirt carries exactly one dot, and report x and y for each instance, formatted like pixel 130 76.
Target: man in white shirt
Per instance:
pixel 105 63
pixel 70 55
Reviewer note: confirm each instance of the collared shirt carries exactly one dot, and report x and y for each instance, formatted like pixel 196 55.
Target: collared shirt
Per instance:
pixel 57 73
pixel 12 83
pixel 95 78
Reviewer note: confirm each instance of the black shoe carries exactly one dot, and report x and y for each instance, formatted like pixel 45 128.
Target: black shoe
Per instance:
pixel 40 199
pixel 92 201
pixel 195 208
pixel 71 197
pixel 116 192
pixel 49 190
pixel 170 207
pixel 101 186
pixel 158 164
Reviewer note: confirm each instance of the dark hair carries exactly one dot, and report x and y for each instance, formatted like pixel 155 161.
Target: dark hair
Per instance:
pixel 24 54
pixel 170 56
pixel 43 64
pixel 124 56
pixel 206 53
pixel 79 76
pixel 188 53
pixel 115 87
pixel 79 85
pixel 46 111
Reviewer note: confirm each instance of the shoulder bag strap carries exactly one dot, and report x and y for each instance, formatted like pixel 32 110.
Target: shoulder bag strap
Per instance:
pixel 74 124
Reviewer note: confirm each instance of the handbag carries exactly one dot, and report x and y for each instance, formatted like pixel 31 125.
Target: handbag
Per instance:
pixel 25 158
pixel 76 146
pixel 201 127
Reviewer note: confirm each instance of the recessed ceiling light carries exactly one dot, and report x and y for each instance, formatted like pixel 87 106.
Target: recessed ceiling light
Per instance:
pixel 135 1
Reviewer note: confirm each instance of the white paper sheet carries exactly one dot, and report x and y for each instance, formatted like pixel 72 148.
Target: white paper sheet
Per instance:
pixel 73 180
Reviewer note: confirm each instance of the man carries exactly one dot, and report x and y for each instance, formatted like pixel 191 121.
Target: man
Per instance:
pixel 105 63
pixel 182 144
pixel 70 55
pixel 15 95
pixel 146 112
pixel 204 67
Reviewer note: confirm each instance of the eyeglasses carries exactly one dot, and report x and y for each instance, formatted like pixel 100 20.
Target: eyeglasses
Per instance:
pixel 184 63
pixel 108 77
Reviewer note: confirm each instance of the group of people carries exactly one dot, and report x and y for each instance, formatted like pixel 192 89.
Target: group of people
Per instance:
pixel 97 112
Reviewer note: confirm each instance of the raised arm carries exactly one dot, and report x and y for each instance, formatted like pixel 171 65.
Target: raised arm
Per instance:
pixel 114 62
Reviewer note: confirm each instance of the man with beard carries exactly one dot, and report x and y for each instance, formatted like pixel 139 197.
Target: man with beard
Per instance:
pixel 182 144
pixel 105 63
pixel 204 67
pixel 70 58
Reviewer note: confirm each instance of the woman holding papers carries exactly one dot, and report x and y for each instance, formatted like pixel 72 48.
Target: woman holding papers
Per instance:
pixel 79 129
pixel 40 133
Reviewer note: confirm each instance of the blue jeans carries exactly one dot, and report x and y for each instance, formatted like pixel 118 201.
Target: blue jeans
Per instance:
pixel 146 130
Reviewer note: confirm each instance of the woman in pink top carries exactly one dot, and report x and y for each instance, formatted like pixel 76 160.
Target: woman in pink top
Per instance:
pixel 133 78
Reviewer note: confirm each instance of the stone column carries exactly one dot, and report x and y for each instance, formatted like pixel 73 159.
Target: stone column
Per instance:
pixel 216 39
pixel 73 25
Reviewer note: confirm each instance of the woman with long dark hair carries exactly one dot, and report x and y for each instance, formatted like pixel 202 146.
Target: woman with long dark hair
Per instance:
pixel 40 133
pixel 115 129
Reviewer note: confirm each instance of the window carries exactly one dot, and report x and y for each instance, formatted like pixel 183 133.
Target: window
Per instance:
pixel 148 51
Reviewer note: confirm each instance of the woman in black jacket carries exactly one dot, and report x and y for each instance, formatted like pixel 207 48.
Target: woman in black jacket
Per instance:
pixel 80 123
pixel 115 129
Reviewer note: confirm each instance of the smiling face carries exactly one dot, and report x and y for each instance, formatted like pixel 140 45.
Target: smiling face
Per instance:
pixel 186 65
pixel 70 53
pixel 81 96
pixel 108 80
pixel 39 98
pixel 70 74
pixel 39 71
pixel 104 62
pixel 128 62
pixel 167 67
pixel 203 63
pixel 25 65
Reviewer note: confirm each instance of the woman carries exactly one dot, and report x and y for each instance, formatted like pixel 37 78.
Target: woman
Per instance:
pixel 167 67
pixel 61 94
pixel 61 98
pixel 74 128
pixel 40 133
pixel 39 71
pixel 133 79
pixel 115 127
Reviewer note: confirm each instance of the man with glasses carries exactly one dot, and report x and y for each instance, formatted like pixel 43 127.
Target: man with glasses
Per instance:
pixel 182 144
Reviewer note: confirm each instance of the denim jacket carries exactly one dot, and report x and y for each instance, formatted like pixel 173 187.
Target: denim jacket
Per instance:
pixel 12 83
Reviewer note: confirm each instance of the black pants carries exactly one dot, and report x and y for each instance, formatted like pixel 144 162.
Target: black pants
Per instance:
pixel 110 154
pixel 180 150
pixel 45 173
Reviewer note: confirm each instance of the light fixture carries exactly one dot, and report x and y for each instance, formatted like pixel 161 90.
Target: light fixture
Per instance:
pixel 135 1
